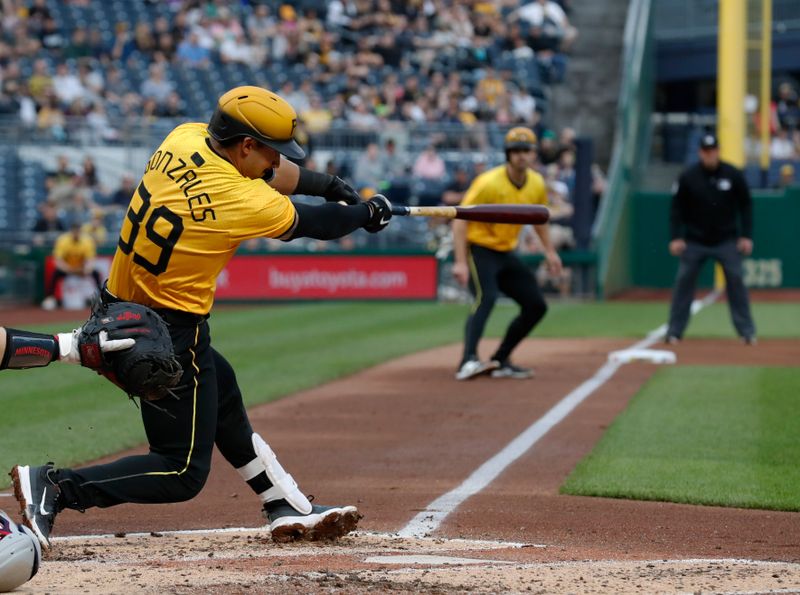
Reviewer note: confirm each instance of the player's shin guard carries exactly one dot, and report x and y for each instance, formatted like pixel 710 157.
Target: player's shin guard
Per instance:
pixel 283 485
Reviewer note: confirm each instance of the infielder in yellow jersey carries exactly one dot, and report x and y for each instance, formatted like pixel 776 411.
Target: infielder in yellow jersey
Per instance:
pixel 206 189
pixel 73 253
pixel 485 258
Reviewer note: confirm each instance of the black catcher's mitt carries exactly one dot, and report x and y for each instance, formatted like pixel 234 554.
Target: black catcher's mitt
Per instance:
pixel 149 369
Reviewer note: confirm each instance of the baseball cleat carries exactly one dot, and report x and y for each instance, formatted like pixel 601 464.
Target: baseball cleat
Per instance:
pixel 509 370
pixel 37 495
pixel 323 523
pixel 473 368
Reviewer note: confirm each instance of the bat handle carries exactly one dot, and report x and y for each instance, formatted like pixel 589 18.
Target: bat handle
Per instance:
pixel 400 210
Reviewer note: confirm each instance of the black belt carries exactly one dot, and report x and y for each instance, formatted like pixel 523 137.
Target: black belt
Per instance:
pixel 171 317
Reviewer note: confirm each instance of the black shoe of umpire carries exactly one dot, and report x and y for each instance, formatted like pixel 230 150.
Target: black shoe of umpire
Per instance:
pixel 37 494
pixel 323 523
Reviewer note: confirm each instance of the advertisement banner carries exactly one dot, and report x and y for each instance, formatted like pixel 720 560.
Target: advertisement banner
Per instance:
pixel 315 276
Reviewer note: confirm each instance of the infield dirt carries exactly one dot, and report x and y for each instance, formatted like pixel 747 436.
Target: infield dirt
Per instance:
pixel 394 438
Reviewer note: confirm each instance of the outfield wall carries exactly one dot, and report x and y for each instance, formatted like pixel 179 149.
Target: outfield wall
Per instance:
pixel 776 232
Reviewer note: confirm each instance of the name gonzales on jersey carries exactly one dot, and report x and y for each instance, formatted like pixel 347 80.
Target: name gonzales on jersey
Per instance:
pixel 186 179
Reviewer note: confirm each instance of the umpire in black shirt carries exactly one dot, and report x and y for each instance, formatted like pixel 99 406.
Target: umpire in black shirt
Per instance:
pixel 711 217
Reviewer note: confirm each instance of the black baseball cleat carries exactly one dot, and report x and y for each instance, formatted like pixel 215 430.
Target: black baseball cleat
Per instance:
pixel 37 495
pixel 323 523
pixel 509 370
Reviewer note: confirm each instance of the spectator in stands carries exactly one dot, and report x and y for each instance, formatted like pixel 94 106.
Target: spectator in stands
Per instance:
pixel 786 176
pixel 51 118
pixel 490 89
pixel 523 106
pixel 121 197
pixel 50 36
pixel 77 209
pixel 317 118
pixel 78 46
pixel 548 148
pixel 429 165
pixel 549 29
pixel 100 125
pixel 157 87
pixel 191 52
pixel 47 220
pixel 66 85
pixel 711 217
pixel 369 172
pixel 781 146
pixel 787 106
pixel 40 81
pixel 454 192
pixel 73 254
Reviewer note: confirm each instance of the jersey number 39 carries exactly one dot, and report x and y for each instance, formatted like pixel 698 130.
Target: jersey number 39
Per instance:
pixel 165 242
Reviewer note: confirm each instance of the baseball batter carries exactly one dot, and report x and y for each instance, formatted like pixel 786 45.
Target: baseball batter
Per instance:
pixel 205 190
pixel 485 258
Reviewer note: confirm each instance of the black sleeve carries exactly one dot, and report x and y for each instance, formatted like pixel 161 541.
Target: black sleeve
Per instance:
pixel 745 205
pixel 676 210
pixel 328 221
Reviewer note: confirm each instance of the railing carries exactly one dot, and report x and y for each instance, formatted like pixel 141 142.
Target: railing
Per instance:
pixel 611 232
pixel 687 19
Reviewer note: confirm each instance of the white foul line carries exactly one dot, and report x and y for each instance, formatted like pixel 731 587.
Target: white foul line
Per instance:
pixel 427 521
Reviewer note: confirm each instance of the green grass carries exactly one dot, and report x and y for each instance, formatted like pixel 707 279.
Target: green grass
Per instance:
pixel 69 415
pixel 724 436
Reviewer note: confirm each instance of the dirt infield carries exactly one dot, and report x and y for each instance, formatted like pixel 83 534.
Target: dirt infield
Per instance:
pixel 394 438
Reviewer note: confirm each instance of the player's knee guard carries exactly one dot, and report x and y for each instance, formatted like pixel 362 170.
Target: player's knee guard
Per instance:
pixel 20 554
pixel 283 485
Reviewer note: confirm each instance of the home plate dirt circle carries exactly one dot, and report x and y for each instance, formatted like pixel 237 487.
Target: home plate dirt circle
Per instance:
pixel 241 560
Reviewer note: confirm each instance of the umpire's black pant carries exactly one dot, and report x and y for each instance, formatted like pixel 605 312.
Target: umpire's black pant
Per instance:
pixel 692 261
pixel 181 432
pixel 490 273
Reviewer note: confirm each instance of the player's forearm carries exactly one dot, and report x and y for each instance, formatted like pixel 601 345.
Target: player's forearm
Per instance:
pixel 22 349
pixel 286 177
pixel 460 241
pixel 329 221
pixel 543 231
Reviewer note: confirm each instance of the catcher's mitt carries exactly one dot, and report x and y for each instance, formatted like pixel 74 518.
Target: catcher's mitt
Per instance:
pixel 149 369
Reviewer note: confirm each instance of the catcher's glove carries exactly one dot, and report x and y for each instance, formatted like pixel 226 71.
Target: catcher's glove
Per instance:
pixel 148 369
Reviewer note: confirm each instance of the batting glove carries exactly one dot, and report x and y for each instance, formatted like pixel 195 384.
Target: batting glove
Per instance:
pixel 380 211
pixel 340 191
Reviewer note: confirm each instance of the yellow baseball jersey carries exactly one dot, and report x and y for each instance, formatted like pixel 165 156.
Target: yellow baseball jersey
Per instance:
pixel 188 215
pixel 76 253
pixel 494 187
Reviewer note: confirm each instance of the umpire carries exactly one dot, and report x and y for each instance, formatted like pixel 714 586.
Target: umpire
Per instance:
pixel 484 257
pixel 711 217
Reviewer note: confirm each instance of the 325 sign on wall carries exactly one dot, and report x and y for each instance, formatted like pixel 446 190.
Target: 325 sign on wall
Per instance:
pixel 763 272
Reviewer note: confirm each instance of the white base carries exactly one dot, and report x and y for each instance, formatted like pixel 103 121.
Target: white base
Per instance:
pixel 654 356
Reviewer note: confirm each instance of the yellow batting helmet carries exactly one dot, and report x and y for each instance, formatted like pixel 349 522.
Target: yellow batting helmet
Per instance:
pixel 260 114
pixel 520 137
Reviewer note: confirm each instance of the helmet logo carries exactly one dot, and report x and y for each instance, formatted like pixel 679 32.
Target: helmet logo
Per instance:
pixel 294 125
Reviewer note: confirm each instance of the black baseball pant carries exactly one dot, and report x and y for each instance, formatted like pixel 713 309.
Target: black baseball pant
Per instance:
pixel 492 272
pixel 692 261
pixel 181 432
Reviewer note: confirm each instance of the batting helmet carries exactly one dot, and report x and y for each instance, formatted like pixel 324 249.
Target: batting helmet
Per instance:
pixel 520 137
pixel 260 114
pixel 20 554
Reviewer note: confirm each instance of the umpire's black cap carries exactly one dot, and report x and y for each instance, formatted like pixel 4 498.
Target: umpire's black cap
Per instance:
pixel 708 141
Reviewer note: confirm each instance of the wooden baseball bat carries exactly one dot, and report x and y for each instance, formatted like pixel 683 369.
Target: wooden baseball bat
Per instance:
pixel 519 214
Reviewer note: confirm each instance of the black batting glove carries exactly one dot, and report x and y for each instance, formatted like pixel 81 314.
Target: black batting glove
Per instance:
pixel 380 211
pixel 340 191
